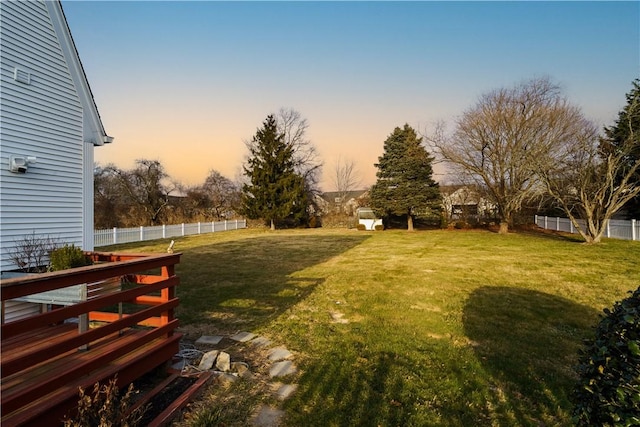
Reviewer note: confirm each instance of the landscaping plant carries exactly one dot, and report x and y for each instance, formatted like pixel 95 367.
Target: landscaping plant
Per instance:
pixel 30 252
pixel 68 256
pixel 106 408
pixel 608 392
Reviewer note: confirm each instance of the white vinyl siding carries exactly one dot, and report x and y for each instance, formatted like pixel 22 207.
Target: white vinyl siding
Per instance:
pixel 42 119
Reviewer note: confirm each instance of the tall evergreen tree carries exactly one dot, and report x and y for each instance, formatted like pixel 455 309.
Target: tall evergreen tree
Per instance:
pixel 275 191
pixel 405 186
pixel 625 135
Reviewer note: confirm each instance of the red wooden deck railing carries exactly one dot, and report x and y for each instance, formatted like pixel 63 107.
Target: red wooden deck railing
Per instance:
pixel 47 357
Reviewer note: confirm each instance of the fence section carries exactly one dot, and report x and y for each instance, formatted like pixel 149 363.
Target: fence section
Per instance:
pixel 115 235
pixel 616 228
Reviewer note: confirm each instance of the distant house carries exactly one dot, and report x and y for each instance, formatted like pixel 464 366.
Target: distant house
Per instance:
pixel 337 202
pixel 465 203
pixel 49 128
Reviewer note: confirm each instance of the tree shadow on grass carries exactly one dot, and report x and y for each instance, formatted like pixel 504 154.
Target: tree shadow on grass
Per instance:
pixel 362 389
pixel 528 342
pixel 242 284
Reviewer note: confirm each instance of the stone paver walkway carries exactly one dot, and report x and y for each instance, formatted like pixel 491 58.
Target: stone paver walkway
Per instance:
pixel 281 366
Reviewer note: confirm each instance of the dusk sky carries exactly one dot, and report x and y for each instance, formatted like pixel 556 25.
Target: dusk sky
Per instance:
pixel 186 83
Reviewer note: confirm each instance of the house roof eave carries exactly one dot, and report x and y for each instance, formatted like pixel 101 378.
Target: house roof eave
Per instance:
pixel 96 133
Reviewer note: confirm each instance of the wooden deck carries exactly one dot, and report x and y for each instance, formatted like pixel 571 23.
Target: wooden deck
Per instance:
pixel 46 358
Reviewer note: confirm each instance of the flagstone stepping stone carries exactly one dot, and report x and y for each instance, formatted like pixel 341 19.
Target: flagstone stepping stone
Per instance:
pixel 207 360
pixel 338 317
pixel 283 391
pixel 261 342
pixel 243 336
pixel 278 353
pixel 282 369
pixel 268 417
pixel 209 340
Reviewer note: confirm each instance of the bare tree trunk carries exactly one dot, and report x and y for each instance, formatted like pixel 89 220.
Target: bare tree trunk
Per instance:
pixel 409 222
pixel 273 225
pixel 504 227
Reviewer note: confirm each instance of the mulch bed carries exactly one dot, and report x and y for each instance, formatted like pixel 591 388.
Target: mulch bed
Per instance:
pixel 159 402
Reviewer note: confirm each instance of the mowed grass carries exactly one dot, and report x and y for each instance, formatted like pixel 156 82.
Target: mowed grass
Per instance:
pixel 430 328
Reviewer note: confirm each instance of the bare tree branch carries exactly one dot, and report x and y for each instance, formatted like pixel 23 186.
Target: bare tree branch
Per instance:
pixel 496 142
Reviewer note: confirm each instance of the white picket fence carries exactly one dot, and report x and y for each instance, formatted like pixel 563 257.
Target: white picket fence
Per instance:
pixel 616 228
pixel 112 236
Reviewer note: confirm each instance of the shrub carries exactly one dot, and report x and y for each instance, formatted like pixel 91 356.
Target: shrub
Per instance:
pixel 361 227
pixel 68 256
pixel 608 391
pixel 379 227
pixel 30 252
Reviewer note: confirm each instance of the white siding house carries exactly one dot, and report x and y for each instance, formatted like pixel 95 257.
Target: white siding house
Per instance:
pixel 49 123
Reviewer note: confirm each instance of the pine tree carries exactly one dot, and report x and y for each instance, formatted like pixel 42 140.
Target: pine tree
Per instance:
pixel 274 192
pixel 405 186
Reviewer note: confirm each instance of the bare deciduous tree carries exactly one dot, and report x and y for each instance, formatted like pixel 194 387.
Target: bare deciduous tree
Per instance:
pixel 223 195
pixel 306 158
pixel 589 183
pixel 346 177
pixel 146 189
pixel 109 202
pixel 496 141
pixel 294 127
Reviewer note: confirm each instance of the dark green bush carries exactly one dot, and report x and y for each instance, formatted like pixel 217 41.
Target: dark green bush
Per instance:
pixel 379 227
pixel 361 227
pixel 608 391
pixel 68 256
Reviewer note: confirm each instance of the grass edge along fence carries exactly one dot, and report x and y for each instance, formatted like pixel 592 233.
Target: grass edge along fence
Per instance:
pixel 616 228
pixel 113 236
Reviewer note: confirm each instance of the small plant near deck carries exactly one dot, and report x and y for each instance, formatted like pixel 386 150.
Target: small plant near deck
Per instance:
pixel 106 408
pixel 608 393
pixel 31 251
pixel 68 256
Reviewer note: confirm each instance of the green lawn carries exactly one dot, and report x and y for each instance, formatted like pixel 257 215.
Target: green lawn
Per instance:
pixel 445 328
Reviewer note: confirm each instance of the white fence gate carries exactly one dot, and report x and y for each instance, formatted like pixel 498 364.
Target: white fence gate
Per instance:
pixel 113 236
pixel 616 228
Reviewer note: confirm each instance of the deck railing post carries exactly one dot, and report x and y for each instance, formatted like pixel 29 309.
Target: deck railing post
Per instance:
pixel 115 235
pixel 164 231
pixel 142 233
pixel 633 229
